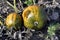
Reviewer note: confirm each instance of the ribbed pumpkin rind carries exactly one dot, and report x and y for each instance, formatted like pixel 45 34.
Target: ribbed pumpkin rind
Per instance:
pixel 38 16
pixel 13 20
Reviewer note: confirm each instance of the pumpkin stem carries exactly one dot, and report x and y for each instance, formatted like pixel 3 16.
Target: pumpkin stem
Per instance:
pixel 15 6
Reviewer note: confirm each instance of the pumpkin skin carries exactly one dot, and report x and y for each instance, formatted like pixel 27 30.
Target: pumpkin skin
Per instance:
pixel 13 20
pixel 33 17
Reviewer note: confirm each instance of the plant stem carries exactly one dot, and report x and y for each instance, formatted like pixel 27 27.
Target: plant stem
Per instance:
pixel 15 6
pixel 34 1
pixel 12 6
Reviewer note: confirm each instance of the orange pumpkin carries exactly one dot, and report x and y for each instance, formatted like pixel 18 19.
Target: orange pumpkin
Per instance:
pixel 13 20
pixel 33 17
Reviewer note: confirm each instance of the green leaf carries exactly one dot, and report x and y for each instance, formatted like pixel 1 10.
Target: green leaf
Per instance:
pixel 29 2
pixel 52 28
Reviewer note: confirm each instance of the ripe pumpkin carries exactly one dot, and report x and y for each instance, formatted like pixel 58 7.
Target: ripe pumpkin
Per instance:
pixel 13 20
pixel 33 17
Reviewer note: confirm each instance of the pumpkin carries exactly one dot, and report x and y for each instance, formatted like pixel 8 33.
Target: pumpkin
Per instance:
pixel 33 17
pixel 13 20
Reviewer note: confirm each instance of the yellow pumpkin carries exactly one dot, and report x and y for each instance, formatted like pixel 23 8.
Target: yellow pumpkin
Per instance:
pixel 33 17
pixel 13 20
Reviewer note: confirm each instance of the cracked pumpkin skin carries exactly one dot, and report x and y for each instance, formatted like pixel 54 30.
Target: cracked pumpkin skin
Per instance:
pixel 33 17
pixel 13 20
